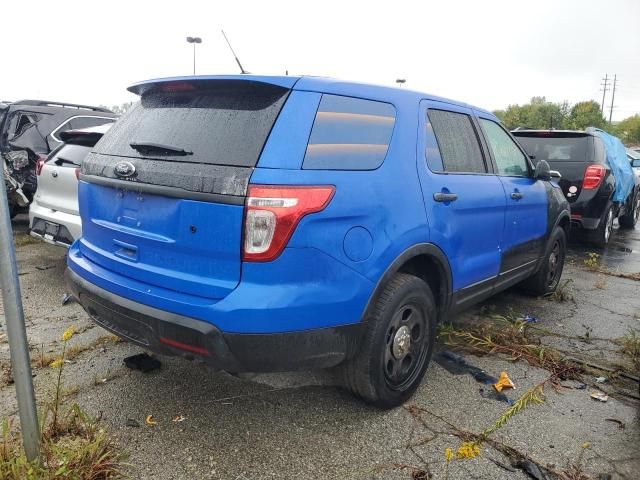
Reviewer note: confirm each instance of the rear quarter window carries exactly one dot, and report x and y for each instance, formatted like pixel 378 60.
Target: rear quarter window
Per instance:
pixel 349 134
pixel 68 155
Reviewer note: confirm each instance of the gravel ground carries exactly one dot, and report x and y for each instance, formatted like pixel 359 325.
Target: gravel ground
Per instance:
pixel 303 425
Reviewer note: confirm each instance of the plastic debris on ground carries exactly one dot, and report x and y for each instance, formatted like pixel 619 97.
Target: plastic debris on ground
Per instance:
pixel 178 419
pixel 601 379
pixel 142 362
pixel 503 382
pixel 150 421
pixel 68 298
pixel 529 319
pixel 600 396
pixel 531 469
pixel 457 365
pixel 132 423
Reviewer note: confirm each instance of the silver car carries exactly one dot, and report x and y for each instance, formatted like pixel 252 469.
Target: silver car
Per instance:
pixel 634 159
pixel 53 214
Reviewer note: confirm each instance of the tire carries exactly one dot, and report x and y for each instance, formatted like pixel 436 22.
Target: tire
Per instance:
pixel 396 349
pixel 629 219
pixel 547 278
pixel 600 236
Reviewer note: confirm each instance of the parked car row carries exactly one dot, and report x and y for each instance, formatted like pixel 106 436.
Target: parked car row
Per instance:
pixel 29 131
pixel 277 223
pixel 597 178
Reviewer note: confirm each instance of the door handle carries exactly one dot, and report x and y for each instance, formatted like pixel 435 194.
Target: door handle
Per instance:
pixel 445 197
pixel 516 195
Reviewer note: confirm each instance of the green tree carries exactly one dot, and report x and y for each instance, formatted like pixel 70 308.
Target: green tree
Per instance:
pixel 538 113
pixel 586 114
pixel 629 130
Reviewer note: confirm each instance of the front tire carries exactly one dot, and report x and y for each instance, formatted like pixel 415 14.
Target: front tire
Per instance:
pixel 547 278
pixel 395 351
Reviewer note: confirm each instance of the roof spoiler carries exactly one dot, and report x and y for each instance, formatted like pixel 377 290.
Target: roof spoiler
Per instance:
pixel 46 103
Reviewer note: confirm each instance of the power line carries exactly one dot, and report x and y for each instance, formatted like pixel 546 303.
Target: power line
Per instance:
pixel 613 96
pixel 604 92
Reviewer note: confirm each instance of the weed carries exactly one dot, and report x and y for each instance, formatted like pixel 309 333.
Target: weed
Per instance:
pixel 631 347
pixel 592 261
pixel 6 373
pixel 588 330
pixel 22 240
pixel 73 445
pixel 563 292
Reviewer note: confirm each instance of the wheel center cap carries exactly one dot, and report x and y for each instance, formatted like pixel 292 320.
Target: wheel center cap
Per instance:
pixel 401 342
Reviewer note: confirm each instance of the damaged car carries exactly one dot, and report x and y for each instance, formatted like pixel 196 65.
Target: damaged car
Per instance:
pixel 29 131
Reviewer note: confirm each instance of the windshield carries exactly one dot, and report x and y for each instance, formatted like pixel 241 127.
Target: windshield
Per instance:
pixel 556 149
pixel 224 123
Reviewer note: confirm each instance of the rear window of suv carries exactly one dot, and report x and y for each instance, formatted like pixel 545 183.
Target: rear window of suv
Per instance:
pixel 221 123
pixel 556 149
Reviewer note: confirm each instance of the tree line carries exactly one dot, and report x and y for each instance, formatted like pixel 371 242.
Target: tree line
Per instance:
pixel 541 114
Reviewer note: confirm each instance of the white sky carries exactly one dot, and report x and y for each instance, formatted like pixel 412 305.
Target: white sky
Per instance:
pixel 487 53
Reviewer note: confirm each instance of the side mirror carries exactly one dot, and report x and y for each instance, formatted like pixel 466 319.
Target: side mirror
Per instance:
pixel 542 171
pixel 636 163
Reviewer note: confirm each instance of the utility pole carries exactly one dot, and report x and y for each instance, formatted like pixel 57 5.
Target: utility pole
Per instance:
pixel 604 91
pixel 17 332
pixel 613 95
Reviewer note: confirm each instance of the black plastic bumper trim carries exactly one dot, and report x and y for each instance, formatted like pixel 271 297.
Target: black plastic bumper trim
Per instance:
pixel 233 352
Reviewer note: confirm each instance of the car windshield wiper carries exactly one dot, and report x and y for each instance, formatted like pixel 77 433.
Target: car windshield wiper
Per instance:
pixel 158 148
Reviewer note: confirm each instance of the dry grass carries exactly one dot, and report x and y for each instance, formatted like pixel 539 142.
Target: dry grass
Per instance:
pixel 21 240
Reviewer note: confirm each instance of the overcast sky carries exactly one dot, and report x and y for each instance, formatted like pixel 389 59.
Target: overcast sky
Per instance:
pixel 490 53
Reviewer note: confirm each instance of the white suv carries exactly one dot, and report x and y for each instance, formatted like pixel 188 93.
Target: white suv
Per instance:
pixel 53 214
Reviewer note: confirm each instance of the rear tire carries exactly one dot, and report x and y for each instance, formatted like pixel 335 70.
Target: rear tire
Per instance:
pixel 547 278
pixel 630 218
pixel 395 350
pixel 13 209
pixel 601 235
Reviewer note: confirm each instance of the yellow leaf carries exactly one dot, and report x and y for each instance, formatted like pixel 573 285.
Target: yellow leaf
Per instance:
pixel 503 382
pixel 150 421
pixel 68 333
pixel 448 454
pixel 585 445
pixel 57 363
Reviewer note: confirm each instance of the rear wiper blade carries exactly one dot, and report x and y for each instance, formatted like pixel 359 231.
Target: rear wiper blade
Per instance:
pixel 61 161
pixel 158 148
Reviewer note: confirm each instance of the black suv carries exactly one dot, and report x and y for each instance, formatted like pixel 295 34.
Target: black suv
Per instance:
pixel 596 178
pixel 29 130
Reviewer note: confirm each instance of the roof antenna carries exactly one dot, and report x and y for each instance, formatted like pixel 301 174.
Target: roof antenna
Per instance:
pixel 242 70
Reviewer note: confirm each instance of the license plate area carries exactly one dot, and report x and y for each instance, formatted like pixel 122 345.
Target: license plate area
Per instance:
pixel 51 230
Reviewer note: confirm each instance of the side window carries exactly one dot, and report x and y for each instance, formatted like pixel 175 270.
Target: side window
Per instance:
pixel 23 121
pixel 349 134
pixel 600 155
pixel 509 158
pixel 457 148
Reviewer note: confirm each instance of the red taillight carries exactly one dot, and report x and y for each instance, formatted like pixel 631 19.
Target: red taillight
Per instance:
pixel 593 176
pixel 77 173
pixel 40 163
pixel 272 214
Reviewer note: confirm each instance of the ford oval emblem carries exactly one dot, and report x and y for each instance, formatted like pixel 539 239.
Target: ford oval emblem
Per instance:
pixel 124 169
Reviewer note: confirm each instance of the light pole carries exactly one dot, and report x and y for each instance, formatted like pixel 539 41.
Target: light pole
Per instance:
pixel 400 81
pixel 194 40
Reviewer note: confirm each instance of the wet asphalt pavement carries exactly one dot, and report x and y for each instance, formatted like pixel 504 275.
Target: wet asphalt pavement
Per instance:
pixel 301 425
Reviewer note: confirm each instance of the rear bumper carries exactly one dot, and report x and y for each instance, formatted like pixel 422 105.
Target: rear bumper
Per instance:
pixel 171 334
pixel 70 225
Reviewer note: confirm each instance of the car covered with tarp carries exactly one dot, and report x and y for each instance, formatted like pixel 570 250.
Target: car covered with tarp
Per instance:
pixel 596 178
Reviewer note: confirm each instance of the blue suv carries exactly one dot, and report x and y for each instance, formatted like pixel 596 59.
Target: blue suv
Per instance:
pixel 278 223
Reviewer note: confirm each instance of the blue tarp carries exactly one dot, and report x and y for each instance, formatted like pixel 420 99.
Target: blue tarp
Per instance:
pixel 620 166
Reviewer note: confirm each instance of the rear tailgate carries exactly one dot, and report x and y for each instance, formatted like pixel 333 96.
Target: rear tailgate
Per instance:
pixel 169 210
pixel 57 182
pixel 570 153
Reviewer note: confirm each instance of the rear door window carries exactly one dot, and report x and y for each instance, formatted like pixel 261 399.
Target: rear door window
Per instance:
pixel 349 134
pixel 458 147
pixel 221 123
pixel 508 157
pixel 558 148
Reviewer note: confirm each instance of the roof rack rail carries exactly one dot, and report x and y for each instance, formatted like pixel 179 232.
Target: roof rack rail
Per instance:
pixel 46 103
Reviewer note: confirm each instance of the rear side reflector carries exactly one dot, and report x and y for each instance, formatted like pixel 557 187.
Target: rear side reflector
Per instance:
pixel 272 214
pixel 184 346
pixel 593 176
